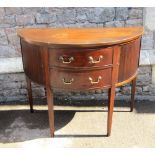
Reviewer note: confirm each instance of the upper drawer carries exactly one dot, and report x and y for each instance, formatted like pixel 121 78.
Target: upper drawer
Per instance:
pixel 80 57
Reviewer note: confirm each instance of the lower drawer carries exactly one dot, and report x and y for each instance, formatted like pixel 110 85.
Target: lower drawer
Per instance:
pixel 80 80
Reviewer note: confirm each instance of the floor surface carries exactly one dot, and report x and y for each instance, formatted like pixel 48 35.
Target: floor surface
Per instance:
pixel 78 127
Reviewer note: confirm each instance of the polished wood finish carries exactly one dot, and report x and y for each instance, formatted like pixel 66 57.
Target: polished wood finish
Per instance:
pixel 79 37
pixel 129 59
pixel 126 81
pixel 111 94
pixel 79 59
pixel 85 58
pixel 71 80
pixel 49 93
pixel 32 62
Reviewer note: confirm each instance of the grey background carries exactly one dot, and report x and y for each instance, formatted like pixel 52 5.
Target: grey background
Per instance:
pixel 13 86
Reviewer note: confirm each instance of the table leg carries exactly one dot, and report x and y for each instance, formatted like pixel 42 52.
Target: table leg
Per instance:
pixel 133 90
pixel 45 91
pixel 49 91
pixel 111 97
pixel 50 110
pixel 29 90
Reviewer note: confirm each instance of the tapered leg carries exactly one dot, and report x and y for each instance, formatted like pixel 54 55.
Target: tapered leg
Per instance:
pixel 111 97
pixel 45 91
pixel 50 110
pixel 133 90
pixel 29 90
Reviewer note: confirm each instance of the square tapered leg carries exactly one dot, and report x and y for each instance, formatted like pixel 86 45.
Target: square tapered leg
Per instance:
pixel 111 98
pixel 50 110
pixel 133 90
pixel 29 90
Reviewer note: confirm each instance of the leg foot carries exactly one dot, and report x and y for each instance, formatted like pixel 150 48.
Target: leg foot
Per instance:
pixel 111 97
pixel 133 90
pixel 29 90
pixel 50 110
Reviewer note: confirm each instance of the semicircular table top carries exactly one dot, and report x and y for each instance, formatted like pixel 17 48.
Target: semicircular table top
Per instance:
pixel 79 37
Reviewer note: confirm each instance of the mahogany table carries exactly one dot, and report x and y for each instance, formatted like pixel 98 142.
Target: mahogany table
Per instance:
pixel 79 59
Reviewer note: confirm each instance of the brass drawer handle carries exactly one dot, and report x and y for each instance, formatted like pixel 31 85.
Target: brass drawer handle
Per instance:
pixel 66 62
pixel 95 82
pixel 67 82
pixel 92 61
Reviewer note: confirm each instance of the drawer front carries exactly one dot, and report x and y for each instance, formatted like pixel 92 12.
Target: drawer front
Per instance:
pixel 83 80
pixel 84 58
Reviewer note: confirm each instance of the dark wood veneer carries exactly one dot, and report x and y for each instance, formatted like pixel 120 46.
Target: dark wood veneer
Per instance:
pixel 32 62
pixel 81 80
pixel 81 59
pixel 70 58
pixel 129 59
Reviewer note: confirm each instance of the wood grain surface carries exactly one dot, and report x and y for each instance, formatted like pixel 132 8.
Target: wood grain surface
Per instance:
pixel 79 37
pixel 79 59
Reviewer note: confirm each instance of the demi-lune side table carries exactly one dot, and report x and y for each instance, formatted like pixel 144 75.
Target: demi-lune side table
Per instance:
pixel 80 59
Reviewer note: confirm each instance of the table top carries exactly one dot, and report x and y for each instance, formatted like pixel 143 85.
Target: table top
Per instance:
pixel 79 37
